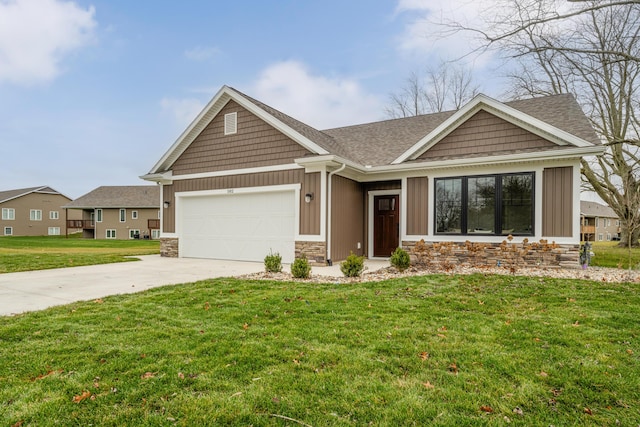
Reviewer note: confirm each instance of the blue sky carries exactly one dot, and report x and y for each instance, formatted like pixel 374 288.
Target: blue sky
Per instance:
pixel 93 92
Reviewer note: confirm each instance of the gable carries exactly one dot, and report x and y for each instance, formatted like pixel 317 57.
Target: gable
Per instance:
pixel 486 134
pixel 255 144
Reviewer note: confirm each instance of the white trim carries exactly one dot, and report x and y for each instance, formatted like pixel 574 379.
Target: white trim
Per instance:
pixel 10 214
pixel 505 112
pixel 370 198
pixel 4 230
pixel 260 169
pixel 120 216
pixel 132 214
pixel 210 111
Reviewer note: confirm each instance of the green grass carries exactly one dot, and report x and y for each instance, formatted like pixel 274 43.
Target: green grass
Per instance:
pixel 433 350
pixel 609 254
pixel 39 253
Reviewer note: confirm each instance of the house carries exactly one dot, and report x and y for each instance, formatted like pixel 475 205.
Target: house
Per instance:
pixel 598 222
pixel 35 211
pixel 118 212
pixel 245 179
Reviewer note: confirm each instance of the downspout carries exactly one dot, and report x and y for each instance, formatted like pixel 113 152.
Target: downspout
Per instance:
pixel 340 169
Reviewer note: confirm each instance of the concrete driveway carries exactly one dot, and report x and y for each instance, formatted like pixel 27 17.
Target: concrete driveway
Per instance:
pixel 36 290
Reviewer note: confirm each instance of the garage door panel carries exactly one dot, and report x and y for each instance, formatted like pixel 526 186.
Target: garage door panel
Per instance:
pixel 239 226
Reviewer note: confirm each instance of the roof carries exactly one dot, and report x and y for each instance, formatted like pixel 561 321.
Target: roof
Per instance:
pixel 7 195
pixel 557 118
pixel 596 209
pixel 133 196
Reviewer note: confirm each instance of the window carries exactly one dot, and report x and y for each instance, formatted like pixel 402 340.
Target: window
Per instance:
pixel 608 222
pixel 123 215
pixel 134 234
pixel 491 205
pixel 99 215
pixel 8 214
pixel 35 215
pixel 597 222
pixel 155 234
pixel 134 214
pixel 54 231
pixel 111 234
pixel 54 215
pixel 600 237
pixel 230 123
pixel 608 237
pixel 8 231
pixel 617 223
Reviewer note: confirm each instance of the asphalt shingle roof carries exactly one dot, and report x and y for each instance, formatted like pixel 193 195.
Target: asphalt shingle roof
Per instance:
pixel 134 196
pixel 596 209
pixel 12 194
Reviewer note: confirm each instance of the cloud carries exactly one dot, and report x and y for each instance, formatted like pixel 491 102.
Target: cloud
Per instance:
pixel 319 101
pixel 36 35
pixel 182 110
pixel 202 53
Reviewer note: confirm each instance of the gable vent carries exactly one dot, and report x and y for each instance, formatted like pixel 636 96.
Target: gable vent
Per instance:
pixel 230 123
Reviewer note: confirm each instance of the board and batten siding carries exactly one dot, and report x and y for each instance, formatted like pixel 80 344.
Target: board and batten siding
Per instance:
pixel 485 134
pixel 309 212
pixel 347 218
pixel 557 202
pixel 417 206
pixel 255 144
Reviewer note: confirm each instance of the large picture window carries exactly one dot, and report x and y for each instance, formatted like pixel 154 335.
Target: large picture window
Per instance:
pixel 490 205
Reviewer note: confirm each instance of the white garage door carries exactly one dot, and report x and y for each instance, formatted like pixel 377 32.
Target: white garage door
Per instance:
pixel 240 226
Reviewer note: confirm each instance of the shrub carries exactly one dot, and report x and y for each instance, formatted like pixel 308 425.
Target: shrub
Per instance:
pixel 273 263
pixel 400 259
pixel 300 268
pixel 353 266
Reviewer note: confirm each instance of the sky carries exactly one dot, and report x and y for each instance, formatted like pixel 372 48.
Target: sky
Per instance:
pixel 93 92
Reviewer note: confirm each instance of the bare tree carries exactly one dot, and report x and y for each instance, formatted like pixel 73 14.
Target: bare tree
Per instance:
pixel 592 50
pixel 449 86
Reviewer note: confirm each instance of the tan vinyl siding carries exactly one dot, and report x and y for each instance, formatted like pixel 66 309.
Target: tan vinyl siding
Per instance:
pixel 255 144
pixel 310 212
pixel 293 176
pixel 417 205
pixel 486 134
pixel 111 221
pixel 347 218
pixel 557 202
pixel 22 224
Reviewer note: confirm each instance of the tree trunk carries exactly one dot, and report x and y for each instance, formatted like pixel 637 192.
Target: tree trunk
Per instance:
pixel 624 237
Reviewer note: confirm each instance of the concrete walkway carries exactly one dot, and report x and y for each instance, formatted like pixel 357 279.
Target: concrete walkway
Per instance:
pixel 36 290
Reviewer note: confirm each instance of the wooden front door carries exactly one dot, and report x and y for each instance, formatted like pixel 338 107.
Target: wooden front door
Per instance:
pixel 386 225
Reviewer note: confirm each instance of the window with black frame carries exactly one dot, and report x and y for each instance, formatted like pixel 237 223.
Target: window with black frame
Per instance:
pixel 499 204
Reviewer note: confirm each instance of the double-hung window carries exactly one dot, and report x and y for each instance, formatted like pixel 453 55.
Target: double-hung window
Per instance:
pixel 35 215
pixel 8 214
pixel 123 215
pixel 499 204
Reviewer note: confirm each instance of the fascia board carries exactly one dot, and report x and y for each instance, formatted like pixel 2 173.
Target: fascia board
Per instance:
pixel 34 190
pixel 162 178
pixel 505 112
pixel 285 129
pixel 211 110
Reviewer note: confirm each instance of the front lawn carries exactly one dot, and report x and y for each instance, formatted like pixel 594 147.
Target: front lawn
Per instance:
pixel 39 253
pixel 609 254
pixel 433 350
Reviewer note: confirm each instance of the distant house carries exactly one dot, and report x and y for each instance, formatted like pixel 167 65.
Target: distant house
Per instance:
pixel 118 212
pixel 35 211
pixel 598 222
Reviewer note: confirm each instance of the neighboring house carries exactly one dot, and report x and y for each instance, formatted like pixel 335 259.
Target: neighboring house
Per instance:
pixel 118 212
pixel 245 179
pixel 598 222
pixel 35 211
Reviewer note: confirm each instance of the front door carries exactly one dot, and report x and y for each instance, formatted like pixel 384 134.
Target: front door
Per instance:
pixel 386 225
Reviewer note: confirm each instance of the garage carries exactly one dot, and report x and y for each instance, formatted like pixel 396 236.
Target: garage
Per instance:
pixel 237 226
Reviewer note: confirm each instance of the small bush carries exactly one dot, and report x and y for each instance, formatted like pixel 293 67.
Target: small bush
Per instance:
pixel 300 268
pixel 273 263
pixel 353 266
pixel 400 259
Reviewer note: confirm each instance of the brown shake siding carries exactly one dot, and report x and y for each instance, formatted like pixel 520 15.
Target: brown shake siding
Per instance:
pixel 485 133
pixel 309 212
pixel 347 218
pixel 557 202
pixel 255 144
pixel 417 205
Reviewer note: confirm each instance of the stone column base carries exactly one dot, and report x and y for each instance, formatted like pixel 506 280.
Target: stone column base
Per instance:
pixel 169 247
pixel 315 252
